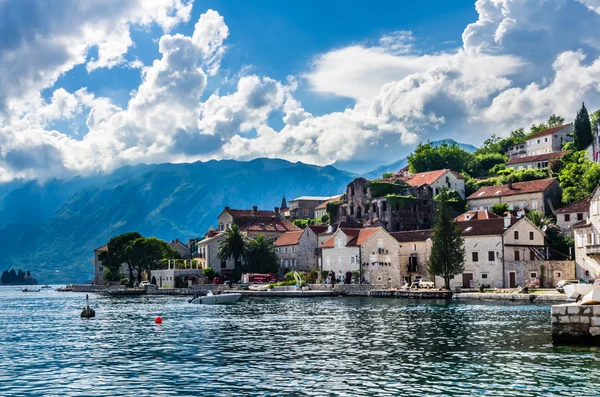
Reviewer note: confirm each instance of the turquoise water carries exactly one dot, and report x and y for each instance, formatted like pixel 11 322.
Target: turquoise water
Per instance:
pixel 283 347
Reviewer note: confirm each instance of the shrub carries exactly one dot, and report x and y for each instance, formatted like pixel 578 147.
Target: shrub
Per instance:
pixel 209 273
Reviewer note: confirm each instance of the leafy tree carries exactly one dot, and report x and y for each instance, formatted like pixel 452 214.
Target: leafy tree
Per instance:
pixel 427 157
pixel 582 136
pixel 484 164
pixel 209 273
pixel 540 220
pixel 447 256
pixel 594 117
pixel 387 175
pixel 553 121
pixel 117 254
pixel 325 219
pixel 499 209
pixel 233 246
pixel 144 252
pixel 261 256
pixel 578 177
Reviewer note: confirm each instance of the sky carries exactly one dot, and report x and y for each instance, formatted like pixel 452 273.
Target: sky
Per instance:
pixel 90 86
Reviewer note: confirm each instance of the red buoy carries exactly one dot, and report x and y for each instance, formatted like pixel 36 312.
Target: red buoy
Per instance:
pixel 158 320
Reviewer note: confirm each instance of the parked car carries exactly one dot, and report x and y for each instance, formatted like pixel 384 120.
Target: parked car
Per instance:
pixel 562 283
pixel 424 283
pixel 144 284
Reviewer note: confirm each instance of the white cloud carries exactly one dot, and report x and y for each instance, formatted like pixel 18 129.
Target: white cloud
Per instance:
pixel 518 63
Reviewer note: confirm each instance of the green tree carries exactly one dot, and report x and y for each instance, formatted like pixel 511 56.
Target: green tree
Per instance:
pixel 145 252
pixel 484 164
pixel 209 273
pixel 582 136
pixel 499 209
pixel 578 177
pixel 261 256
pixel 117 255
pixel 427 157
pixel 387 175
pixel 233 246
pixel 447 256
pixel 594 117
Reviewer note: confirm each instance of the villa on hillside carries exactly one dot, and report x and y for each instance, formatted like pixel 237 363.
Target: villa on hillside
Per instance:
pixel 537 161
pixel 547 141
pixel 437 180
pixel 587 241
pixel 542 195
pixel 372 252
pixel 256 222
pixel 572 214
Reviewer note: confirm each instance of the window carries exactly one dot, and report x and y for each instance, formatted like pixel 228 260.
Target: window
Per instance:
pixel 340 260
pixel 534 205
pixel 352 191
pixel 491 256
pixel 475 256
pixel 587 273
pixel 545 139
pixel 352 259
pixel 384 206
pixel 374 207
pixel 580 217
pixel 437 191
pixel 531 236
pixel 223 264
pixel 516 234
pixel 531 255
pixel 484 275
pixel 221 227
pixel 414 247
pixel 567 217
pixel 589 239
pixel 579 241
pixel 100 268
pixel 533 275
pixel 557 275
pixel 285 249
pixel 351 210
pixel 305 211
pixel 517 256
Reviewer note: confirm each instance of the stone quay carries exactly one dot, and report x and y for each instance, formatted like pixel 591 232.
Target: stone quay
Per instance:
pixel 576 324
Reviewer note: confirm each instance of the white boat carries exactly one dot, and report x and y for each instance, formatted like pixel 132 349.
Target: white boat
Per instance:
pixel 258 287
pixel 211 299
pixel 574 291
pixel 592 298
pixel 30 290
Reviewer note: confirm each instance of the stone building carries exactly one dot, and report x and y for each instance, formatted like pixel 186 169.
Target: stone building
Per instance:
pixel 182 249
pixel 542 195
pixel 299 250
pixel 397 205
pixel 415 247
pixel 321 209
pixel 438 180
pixel 372 252
pixel 535 162
pixel 571 214
pixel 547 141
pixel 98 268
pixel 304 207
pixel 256 222
pixel 207 254
pixel 505 252
pixel 587 241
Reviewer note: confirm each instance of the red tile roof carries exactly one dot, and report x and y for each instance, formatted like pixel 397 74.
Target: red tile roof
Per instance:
pixel 539 157
pixel 476 215
pixel 517 188
pixel 249 213
pixel 357 237
pixel 271 226
pixel 371 222
pixel 549 131
pixel 427 178
pixel 412 235
pixel 577 206
pixel 289 238
pixel 103 248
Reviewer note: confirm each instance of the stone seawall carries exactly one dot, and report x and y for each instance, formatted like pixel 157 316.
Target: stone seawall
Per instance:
pixel 512 297
pixel 411 294
pixel 576 324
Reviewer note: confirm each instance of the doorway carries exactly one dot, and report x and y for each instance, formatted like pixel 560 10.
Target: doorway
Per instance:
pixel 467 280
pixel 512 280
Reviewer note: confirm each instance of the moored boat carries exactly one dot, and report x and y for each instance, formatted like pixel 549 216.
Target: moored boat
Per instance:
pixel 575 291
pixel 46 286
pixel 592 297
pixel 211 299
pixel 29 290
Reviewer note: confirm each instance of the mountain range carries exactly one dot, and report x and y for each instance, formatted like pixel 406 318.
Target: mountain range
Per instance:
pixel 52 228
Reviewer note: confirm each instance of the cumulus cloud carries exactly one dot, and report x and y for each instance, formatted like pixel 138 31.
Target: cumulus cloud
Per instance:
pixel 519 62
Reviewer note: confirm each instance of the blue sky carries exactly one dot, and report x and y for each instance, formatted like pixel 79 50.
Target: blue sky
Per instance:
pixel 91 86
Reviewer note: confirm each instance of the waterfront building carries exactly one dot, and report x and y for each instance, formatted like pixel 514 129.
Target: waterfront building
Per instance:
pixel 505 252
pixel 415 247
pixel 547 141
pixel 542 195
pixel 182 249
pixel 305 207
pixel 587 241
pixel 256 222
pixel 398 205
pixel 207 254
pixel 299 250
pixel 538 161
pixel 572 214
pixel 98 268
pixel 178 274
pixel 372 252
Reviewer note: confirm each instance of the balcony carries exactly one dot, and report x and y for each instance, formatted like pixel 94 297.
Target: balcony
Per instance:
pixel 592 249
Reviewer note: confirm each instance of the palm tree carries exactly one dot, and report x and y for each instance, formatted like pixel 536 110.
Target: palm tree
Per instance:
pixel 261 256
pixel 541 220
pixel 233 246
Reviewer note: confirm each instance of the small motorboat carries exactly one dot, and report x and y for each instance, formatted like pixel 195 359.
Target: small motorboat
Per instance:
pixel 258 287
pixel 29 290
pixel 46 286
pixel 592 297
pixel 212 299
pixel 575 291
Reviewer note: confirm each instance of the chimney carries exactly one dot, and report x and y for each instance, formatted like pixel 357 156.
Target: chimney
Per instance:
pixel 226 208
pixel 507 219
pixel 509 184
pixel 255 210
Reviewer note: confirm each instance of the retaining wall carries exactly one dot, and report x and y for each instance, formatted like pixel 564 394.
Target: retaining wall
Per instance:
pixel 576 324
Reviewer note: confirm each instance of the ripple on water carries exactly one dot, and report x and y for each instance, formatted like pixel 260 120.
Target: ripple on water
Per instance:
pixel 273 347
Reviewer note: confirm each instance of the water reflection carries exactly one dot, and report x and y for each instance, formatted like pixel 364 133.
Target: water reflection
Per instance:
pixel 317 347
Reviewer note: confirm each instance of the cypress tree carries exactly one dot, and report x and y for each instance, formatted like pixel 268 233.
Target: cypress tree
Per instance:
pixel 583 129
pixel 447 252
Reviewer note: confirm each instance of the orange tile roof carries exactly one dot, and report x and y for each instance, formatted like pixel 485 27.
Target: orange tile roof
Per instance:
pixel 427 178
pixel 289 238
pixel 323 206
pixel 577 206
pixel 476 215
pixel 103 248
pixel 539 157
pixel 549 131
pixel 357 237
pixel 249 213
pixel 517 188
pixel 271 226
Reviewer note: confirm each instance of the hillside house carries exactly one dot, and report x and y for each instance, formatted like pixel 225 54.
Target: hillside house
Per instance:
pixel 572 214
pixel 437 180
pixel 547 141
pixel 540 161
pixel 321 209
pixel 542 195
pixel 256 222
pixel 372 252
pixel 415 247
pixel 299 250
pixel 182 249
pixel 304 207
pixel 398 205
pixel 587 241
